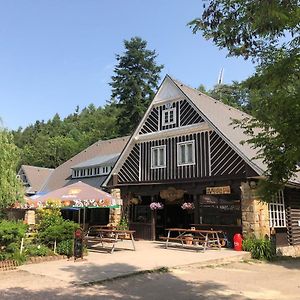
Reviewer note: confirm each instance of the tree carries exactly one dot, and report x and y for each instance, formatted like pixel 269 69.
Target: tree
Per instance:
pixel 235 95
pixel 11 189
pixel 267 32
pixel 134 83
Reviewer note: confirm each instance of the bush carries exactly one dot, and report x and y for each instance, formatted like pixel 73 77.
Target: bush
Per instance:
pixel 260 248
pixel 11 234
pixel 65 248
pixel 64 230
pixel 37 250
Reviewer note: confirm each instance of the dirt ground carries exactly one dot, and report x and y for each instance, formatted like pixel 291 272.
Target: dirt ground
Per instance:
pixel 247 280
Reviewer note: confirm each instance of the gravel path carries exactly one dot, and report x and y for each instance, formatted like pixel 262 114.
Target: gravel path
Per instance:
pixel 238 281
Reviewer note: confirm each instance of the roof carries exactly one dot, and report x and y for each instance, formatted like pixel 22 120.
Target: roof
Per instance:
pixel 61 176
pixel 36 177
pixel 217 114
pixel 101 160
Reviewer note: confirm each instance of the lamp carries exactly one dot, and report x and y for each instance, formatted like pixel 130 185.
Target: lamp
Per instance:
pixel 252 184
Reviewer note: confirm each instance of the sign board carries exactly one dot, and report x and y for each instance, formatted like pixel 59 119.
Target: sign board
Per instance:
pixel 78 243
pixel 218 190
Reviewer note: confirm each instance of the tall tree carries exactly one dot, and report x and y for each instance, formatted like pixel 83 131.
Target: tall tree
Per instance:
pixel 268 33
pixel 11 189
pixel 134 83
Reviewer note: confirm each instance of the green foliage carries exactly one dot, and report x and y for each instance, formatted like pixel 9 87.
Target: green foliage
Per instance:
pixel 37 250
pixel 11 234
pixel 268 33
pixel 11 189
pixel 52 227
pixel 123 224
pixel 133 85
pixel 260 248
pixel 65 247
pixel 49 144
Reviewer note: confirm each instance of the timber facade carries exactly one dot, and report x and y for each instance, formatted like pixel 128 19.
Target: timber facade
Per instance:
pixel 186 150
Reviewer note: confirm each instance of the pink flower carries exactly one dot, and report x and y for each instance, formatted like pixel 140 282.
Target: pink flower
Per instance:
pixel 188 205
pixel 156 205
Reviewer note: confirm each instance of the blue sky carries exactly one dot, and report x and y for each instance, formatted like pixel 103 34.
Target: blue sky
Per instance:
pixel 57 54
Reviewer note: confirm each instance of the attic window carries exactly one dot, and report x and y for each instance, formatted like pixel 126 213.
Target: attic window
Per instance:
pixel 168 115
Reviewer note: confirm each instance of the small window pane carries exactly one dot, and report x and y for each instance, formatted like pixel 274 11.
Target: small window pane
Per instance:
pixel 189 153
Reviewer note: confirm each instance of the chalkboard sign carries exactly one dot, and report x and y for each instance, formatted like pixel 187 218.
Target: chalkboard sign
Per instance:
pixel 78 244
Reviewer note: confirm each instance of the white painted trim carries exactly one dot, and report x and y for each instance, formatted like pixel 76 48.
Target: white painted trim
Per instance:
pixel 173 132
pixel 193 153
pixel 168 111
pixel 164 147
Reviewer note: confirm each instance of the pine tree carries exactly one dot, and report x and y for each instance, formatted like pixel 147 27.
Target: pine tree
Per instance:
pixel 134 83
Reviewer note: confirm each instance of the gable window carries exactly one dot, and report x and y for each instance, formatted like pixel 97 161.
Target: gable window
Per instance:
pixel 277 211
pixel 186 153
pixel 158 157
pixel 169 116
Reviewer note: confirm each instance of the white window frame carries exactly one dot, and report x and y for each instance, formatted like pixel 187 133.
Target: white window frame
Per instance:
pixel 167 112
pixel 179 147
pixel 277 217
pixel 158 157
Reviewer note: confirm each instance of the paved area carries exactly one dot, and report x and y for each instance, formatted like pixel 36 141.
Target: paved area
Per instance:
pixel 99 266
pixel 235 281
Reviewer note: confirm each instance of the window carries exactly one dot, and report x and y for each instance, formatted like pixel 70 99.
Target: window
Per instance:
pixel 169 116
pixel 158 157
pixel 186 153
pixel 277 211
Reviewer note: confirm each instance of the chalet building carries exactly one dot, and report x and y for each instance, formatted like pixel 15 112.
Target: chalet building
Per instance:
pixel 186 149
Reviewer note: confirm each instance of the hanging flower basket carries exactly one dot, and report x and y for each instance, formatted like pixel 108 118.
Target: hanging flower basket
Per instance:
pixel 188 206
pixel 156 206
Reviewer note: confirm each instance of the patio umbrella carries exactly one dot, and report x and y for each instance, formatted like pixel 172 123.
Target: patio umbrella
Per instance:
pixel 76 196
pixel 79 195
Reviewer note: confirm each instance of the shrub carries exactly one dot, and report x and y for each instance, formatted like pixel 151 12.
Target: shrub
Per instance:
pixel 37 250
pixel 123 224
pixel 65 248
pixel 11 233
pixel 64 230
pixel 260 248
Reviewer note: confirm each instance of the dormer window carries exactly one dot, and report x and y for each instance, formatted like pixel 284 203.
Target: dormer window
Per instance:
pixel 168 115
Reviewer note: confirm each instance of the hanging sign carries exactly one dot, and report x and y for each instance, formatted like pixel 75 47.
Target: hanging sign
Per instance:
pixel 218 190
pixel 171 194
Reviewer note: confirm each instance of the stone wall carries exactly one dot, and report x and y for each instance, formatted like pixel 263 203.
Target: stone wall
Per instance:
pixel 255 214
pixel 293 251
pixel 115 214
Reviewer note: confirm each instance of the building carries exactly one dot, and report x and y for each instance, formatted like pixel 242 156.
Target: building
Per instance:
pixel 186 149
pixel 33 178
pixel 91 166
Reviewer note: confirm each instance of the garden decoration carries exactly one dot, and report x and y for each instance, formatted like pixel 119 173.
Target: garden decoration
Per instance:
pixel 156 206
pixel 188 206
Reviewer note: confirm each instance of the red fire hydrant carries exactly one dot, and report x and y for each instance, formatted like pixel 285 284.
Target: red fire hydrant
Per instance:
pixel 238 242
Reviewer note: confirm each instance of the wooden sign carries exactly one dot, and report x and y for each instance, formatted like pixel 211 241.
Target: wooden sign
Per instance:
pixel 171 194
pixel 218 190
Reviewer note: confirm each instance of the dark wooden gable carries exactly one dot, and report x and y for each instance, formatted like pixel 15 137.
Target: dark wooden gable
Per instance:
pixel 129 172
pixel 224 160
pixel 185 115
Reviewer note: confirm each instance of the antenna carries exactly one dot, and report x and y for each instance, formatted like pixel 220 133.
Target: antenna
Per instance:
pixel 221 76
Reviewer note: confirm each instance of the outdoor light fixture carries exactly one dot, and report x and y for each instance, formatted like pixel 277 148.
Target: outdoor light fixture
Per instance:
pixel 252 184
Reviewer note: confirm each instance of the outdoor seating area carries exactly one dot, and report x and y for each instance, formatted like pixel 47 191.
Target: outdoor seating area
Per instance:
pixel 193 238
pixel 104 235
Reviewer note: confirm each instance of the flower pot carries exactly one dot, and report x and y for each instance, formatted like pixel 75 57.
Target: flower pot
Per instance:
pixel 188 240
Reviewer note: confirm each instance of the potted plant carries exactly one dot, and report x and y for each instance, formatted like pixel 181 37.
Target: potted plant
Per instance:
pixel 188 238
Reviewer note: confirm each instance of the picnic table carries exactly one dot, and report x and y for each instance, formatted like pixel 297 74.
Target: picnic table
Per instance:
pixel 199 239
pixel 110 235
